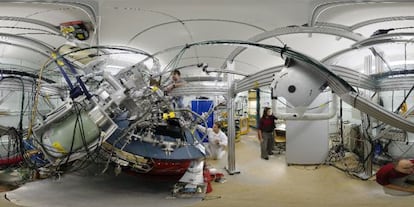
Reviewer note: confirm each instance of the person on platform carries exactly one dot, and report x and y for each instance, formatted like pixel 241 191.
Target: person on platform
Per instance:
pixel 176 81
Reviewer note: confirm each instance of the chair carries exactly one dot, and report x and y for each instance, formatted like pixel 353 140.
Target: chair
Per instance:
pixel 280 142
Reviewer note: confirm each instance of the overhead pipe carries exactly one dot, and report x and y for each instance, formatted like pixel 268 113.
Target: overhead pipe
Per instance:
pixel 333 107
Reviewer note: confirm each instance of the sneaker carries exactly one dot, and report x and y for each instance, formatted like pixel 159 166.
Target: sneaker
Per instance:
pixel 266 158
pixel 220 180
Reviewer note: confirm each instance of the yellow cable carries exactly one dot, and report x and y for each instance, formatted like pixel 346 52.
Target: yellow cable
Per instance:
pixel 36 100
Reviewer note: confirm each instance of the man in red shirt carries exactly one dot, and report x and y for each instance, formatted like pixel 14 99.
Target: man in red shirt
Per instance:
pixel 397 178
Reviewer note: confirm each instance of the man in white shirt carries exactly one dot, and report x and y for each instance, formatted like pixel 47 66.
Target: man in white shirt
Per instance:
pixel 217 140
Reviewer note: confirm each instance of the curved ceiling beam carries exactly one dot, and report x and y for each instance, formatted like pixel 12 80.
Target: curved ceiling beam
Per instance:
pixel 385 38
pixel 195 20
pixel 190 35
pixel 87 6
pixel 91 8
pixel 364 23
pixel 48 48
pixel 25 47
pixel 324 6
pixel 333 25
pixel 192 20
pixel 379 20
pixel 372 41
pixel 32 21
pixel 295 30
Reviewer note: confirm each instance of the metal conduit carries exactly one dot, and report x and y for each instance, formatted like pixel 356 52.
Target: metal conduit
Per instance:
pixel 378 112
pixel 384 38
pixel 363 80
pixel 262 78
pixel 379 20
pixel 365 105
pixel 198 90
pixel 295 30
pixel 400 83
pixel 48 48
pixel 265 77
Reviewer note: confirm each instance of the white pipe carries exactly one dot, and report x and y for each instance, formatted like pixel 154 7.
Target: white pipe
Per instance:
pixel 113 81
pixel 333 107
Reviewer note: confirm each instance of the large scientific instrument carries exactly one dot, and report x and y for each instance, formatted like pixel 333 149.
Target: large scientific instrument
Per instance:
pixel 115 118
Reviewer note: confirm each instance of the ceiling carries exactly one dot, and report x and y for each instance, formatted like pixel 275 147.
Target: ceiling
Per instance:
pixel 29 31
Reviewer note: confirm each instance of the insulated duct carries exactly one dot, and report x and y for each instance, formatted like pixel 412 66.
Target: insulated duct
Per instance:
pixel 333 107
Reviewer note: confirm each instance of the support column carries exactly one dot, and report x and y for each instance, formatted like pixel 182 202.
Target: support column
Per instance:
pixel 231 125
pixel 257 107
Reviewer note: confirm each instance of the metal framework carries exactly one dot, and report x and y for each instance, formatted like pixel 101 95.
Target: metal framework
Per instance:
pixel 324 6
pixel 340 32
pixel 47 25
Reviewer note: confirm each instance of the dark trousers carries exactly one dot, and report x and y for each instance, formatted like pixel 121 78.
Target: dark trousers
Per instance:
pixel 266 146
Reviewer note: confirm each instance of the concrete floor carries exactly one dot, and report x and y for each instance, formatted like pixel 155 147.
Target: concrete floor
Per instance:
pixel 273 183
